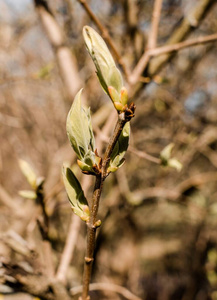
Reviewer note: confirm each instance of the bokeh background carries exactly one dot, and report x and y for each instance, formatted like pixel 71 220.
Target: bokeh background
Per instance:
pixel 158 236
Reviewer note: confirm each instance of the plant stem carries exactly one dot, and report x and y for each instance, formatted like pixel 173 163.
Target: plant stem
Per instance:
pixel 91 225
pixel 113 140
pixel 91 236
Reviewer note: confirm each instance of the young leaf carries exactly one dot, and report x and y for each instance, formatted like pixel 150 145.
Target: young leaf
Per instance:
pixel 80 132
pixel 117 157
pixel 28 173
pixel 107 71
pixel 166 152
pixel 166 159
pixel 75 194
pixel 28 194
pixel 174 163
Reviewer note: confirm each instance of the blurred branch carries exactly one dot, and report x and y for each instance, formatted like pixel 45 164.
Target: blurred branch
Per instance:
pixel 197 14
pixel 144 155
pixel 65 59
pixel 43 224
pixel 108 287
pixel 180 33
pixel 152 41
pixel 6 199
pixel 68 249
pixel 105 35
pixel 103 136
pixel 35 284
pixel 182 45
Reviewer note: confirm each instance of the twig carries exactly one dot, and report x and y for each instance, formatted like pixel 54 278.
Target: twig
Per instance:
pixel 185 44
pixel 106 36
pixel 118 129
pixel 197 14
pixel 44 228
pixel 68 249
pixel 103 137
pixel 152 41
pixel 139 68
pixel 145 155
pixel 92 225
pixel 109 287
pixel 181 32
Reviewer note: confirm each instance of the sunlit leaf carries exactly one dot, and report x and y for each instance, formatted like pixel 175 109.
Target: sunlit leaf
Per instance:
pixel 28 172
pixel 107 71
pixel 174 163
pixel 80 132
pixel 166 152
pixel 28 194
pixel 117 157
pixel 75 194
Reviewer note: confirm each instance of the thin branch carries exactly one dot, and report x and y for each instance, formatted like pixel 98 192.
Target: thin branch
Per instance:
pixel 180 33
pixel 144 60
pixel 182 45
pixel 91 236
pixel 44 228
pixel 113 140
pixel 104 137
pixel 107 287
pixel 152 41
pixel 139 68
pixel 92 225
pixel 144 155
pixel 196 14
pixel 65 59
pixel 68 249
pixel 105 35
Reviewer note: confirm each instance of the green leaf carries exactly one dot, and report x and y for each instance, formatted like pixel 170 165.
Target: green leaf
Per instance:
pixel 166 159
pixel 166 152
pixel 75 194
pixel 28 172
pixel 28 194
pixel 174 163
pixel 117 157
pixel 107 71
pixel 80 132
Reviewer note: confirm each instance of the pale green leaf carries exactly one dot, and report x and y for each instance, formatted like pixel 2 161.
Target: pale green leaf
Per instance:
pixel 107 71
pixel 28 172
pixel 79 130
pixel 75 194
pixel 117 157
pixel 166 152
pixel 28 194
pixel 174 163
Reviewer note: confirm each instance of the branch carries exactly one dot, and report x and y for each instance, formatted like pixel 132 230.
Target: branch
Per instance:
pixel 68 249
pixel 197 14
pixel 103 136
pixel 44 229
pixel 65 59
pixel 108 287
pixel 105 35
pixel 34 284
pixel 182 45
pixel 180 33
pixel 92 225
pixel 152 41
pixel 144 155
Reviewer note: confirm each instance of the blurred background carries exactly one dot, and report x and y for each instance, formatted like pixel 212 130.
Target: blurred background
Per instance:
pixel 158 236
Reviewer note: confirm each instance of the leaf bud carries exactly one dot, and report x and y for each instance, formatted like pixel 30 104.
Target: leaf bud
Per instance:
pixel 124 95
